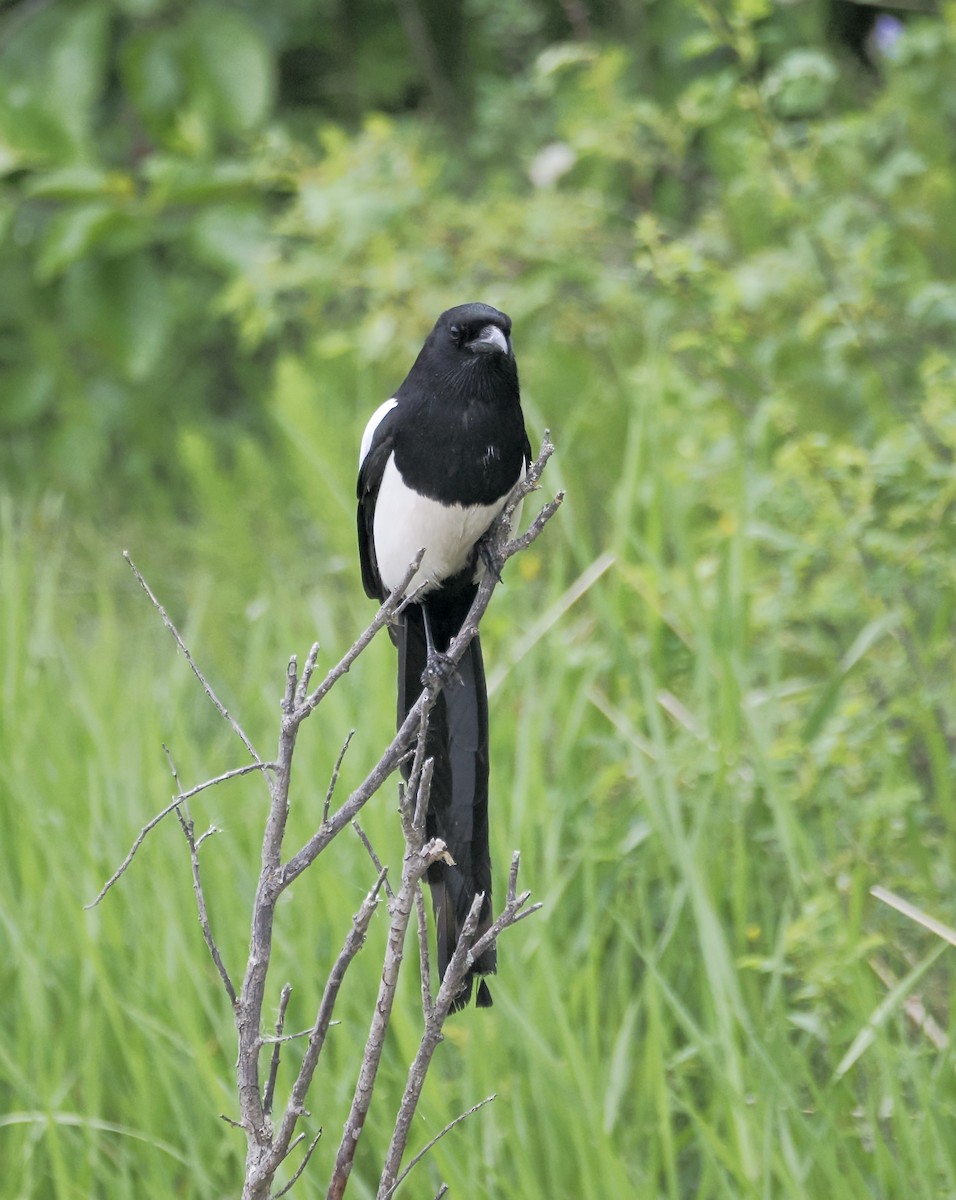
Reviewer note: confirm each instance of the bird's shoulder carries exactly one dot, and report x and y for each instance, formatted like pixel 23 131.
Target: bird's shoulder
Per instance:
pixel 377 443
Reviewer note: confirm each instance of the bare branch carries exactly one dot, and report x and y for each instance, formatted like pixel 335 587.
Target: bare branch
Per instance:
pixel 464 956
pixel 335 775
pixel 437 1138
pixel 268 1146
pixel 187 827
pixel 431 1036
pixel 287 703
pixel 323 1019
pixel 381 618
pixel 513 912
pixel 423 951
pixel 419 788
pixel 171 807
pixel 516 545
pixel 186 823
pixel 303 689
pixel 302 1165
pixel 276 1049
pixel 269 1039
pixel 220 707
pixel 208 834
pixel 370 850
pixel 413 868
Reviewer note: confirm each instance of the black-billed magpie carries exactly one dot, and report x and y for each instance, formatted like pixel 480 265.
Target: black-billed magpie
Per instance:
pixel 437 463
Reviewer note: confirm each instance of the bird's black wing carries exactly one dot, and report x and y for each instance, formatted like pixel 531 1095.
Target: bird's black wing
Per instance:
pixel 371 470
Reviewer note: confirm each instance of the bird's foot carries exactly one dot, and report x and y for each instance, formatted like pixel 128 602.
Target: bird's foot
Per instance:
pixel 439 670
pixel 489 557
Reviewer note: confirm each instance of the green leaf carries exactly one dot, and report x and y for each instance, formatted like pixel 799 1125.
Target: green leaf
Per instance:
pixel 177 180
pixel 231 66
pixel 69 236
pixel 893 1000
pixel 153 72
pixel 231 238
pixel 52 74
pixel 80 181
pixel 76 69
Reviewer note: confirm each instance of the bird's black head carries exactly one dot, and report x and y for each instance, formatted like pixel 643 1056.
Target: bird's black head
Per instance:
pixel 474 329
pixel 467 357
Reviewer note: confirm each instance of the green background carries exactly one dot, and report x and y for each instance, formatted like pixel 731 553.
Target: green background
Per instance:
pixel 722 682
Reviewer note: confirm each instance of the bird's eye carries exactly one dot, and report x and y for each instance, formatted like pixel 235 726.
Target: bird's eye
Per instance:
pixel 456 332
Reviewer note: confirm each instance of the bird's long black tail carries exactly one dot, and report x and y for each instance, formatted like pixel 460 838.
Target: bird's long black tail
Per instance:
pixel 457 742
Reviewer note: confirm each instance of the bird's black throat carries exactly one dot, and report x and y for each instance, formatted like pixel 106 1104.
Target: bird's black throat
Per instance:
pixel 463 441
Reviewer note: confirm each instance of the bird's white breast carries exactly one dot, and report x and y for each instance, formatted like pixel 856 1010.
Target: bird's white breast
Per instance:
pixel 405 522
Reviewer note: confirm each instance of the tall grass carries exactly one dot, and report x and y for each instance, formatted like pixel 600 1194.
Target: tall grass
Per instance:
pixel 673 1023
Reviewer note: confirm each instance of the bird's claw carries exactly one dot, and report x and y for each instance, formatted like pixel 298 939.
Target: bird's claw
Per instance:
pixel 488 556
pixel 439 670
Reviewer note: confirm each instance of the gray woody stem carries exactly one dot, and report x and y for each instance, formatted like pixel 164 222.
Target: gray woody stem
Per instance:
pixel 268 1146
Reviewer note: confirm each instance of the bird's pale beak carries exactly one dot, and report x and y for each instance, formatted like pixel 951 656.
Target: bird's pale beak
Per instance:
pixel 489 339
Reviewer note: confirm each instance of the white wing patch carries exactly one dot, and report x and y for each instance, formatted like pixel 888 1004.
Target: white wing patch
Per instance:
pixel 373 423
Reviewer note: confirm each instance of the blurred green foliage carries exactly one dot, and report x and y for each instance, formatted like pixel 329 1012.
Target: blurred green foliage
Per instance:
pixel 177 211
pixel 730 256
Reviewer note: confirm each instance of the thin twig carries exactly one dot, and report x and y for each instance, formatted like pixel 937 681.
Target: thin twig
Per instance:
pixel 206 687
pixel 437 1138
pixel 209 832
pixel 186 823
pixel 419 787
pixel 276 1049
pixel 171 807
pixel 269 1039
pixel 376 861
pixel 335 775
pixel 301 1167
pixel 303 689
pixel 513 912
pixel 522 542
pixel 423 951
pixel 381 618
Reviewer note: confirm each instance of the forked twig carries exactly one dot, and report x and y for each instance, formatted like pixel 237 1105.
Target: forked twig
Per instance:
pixel 163 813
